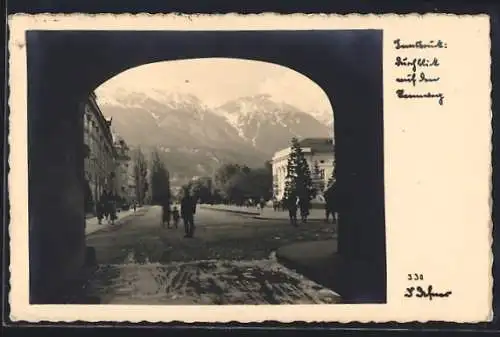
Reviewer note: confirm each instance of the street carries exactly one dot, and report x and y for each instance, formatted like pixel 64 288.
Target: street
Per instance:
pixel 229 261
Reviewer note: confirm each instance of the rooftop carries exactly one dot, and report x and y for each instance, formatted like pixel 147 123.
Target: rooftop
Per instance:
pixel 317 144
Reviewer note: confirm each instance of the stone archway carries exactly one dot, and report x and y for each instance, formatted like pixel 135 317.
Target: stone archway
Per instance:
pixel 64 66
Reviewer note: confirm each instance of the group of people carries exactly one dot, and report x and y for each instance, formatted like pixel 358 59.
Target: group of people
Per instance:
pixel 303 205
pixel 295 204
pixel 106 208
pixel 259 203
pixel 186 212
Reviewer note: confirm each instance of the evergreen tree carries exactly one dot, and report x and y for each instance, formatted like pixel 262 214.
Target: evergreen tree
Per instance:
pixel 160 181
pixel 298 182
pixel 318 181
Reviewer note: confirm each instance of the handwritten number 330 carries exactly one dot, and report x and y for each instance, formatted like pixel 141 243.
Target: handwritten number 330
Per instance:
pixel 415 277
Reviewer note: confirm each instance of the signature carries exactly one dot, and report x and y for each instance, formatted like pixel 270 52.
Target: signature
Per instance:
pixel 420 292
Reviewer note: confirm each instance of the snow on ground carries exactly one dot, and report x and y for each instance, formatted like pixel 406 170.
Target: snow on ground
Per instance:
pixel 207 282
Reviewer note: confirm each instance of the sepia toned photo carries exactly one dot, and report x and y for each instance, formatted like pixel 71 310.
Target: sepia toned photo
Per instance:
pixel 180 167
pixel 212 179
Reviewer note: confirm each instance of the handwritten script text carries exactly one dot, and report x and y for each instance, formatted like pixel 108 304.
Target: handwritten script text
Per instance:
pixel 419 71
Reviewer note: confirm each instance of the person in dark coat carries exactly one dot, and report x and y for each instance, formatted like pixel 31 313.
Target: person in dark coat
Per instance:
pixel 188 210
pixel 176 216
pixel 99 212
pixel 165 214
pixel 105 205
pixel 291 205
pixel 304 206
pixel 112 208
pixel 112 212
pixel 262 203
pixel 331 203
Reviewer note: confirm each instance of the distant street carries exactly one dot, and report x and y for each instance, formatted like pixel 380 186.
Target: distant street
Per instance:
pixel 229 261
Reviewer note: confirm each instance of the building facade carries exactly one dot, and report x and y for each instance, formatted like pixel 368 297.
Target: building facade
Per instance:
pixel 122 168
pixel 320 156
pixel 100 153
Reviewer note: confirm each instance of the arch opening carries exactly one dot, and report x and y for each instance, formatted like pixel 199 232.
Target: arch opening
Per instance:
pixel 200 114
pixel 321 56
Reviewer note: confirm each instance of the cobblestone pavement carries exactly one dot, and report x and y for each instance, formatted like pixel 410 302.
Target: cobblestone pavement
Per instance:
pixel 228 262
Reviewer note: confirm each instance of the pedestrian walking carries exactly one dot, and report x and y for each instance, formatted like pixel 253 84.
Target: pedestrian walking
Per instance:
pixel 176 216
pixel 282 205
pixel 262 203
pixel 304 206
pixel 331 204
pixel 105 205
pixel 112 210
pixel 188 210
pixel 99 212
pixel 291 205
pixel 165 215
pixel 135 206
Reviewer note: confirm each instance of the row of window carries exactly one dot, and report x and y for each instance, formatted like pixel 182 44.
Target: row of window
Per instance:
pixel 92 138
pixel 321 175
pixel 97 166
pixel 282 173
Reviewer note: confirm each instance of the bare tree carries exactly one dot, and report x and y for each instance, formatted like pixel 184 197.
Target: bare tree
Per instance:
pixel 160 181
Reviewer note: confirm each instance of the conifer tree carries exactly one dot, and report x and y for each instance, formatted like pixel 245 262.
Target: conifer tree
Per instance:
pixel 318 182
pixel 298 182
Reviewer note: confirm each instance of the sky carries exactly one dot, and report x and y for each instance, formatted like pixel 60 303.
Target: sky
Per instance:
pixel 216 81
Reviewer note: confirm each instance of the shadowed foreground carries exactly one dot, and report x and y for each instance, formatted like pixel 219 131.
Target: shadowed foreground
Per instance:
pixel 229 261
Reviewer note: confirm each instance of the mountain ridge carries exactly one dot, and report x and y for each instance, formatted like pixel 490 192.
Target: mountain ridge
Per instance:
pixel 194 139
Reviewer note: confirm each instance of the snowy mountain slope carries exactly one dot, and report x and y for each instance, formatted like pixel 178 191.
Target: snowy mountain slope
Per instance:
pixel 195 139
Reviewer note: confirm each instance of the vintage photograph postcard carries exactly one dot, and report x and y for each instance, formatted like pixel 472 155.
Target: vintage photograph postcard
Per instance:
pixel 250 168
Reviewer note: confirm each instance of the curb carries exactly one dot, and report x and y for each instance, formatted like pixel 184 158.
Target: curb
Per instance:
pixel 230 211
pixel 286 219
pixel 338 277
pixel 255 215
pixel 309 273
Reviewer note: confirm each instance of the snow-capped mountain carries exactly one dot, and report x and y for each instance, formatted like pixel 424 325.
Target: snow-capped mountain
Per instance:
pixel 324 117
pixel 269 124
pixel 196 139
